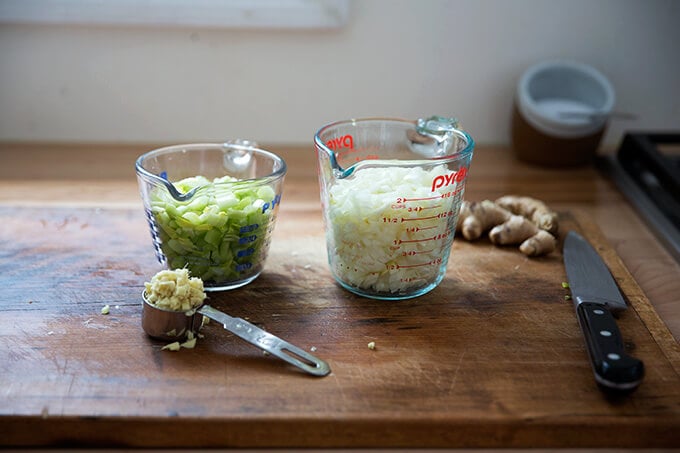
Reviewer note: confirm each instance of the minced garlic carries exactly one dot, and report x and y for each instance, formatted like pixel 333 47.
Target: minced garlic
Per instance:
pixel 189 343
pixel 171 347
pixel 175 290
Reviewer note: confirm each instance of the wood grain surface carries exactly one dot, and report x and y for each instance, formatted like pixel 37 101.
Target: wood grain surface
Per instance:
pixel 102 175
pixel 493 357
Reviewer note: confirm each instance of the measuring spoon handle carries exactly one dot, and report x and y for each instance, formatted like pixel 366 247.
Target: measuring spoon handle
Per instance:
pixel 268 342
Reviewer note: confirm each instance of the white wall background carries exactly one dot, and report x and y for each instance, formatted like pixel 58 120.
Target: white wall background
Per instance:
pixel 393 58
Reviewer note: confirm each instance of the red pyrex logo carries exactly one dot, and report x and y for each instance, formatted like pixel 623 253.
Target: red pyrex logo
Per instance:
pixel 346 141
pixel 445 180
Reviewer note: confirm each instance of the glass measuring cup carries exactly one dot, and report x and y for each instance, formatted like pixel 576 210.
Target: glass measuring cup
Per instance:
pixel 390 192
pixel 212 208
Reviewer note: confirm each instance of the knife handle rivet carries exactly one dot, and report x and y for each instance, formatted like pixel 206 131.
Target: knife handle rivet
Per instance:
pixel 598 311
pixel 605 333
pixel 613 356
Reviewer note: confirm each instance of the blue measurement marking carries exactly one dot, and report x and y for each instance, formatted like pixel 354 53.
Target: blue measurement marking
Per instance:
pixel 243 267
pixel 249 228
pixel 247 239
pixel 247 252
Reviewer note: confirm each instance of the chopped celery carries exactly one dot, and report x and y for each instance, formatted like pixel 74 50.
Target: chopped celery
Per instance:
pixel 220 233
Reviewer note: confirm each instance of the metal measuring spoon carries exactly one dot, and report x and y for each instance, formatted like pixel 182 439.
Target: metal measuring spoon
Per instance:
pixel 173 325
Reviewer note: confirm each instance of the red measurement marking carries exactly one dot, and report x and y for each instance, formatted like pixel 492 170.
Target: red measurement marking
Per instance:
pixel 413 252
pixel 405 200
pixel 452 193
pixel 433 238
pixel 420 218
pixel 417 229
pixel 399 266
pixel 402 241
pixel 391 267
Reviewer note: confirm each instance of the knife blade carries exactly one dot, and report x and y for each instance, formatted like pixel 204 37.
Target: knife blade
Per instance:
pixel 595 295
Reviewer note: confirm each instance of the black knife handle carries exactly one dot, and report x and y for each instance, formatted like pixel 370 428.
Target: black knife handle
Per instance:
pixel 613 368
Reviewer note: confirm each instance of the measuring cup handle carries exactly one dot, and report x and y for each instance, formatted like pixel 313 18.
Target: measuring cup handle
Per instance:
pixel 268 342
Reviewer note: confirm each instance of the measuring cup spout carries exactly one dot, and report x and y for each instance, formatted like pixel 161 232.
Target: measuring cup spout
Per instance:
pixel 176 194
pixel 161 181
pixel 237 158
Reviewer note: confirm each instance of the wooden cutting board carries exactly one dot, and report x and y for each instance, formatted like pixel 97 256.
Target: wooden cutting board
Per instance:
pixel 493 357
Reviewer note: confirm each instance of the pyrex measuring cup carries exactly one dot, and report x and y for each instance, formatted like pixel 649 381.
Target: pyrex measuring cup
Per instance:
pixel 391 191
pixel 212 208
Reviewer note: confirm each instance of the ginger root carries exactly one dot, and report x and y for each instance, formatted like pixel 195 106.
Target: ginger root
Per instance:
pixel 511 220
pixel 539 244
pixel 515 230
pixel 476 218
pixel 533 209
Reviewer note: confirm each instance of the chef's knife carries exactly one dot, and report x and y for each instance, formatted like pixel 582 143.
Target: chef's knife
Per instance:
pixel 596 295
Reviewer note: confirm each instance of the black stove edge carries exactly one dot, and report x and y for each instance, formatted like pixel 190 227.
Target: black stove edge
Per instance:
pixel 663 229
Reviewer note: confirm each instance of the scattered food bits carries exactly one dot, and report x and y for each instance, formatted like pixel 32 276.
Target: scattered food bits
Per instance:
pixel 565 285
pixel 307 266
pixel 171 347
pixel 371 345
pixel 189 344
pixel 313 348
pixel 106 310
